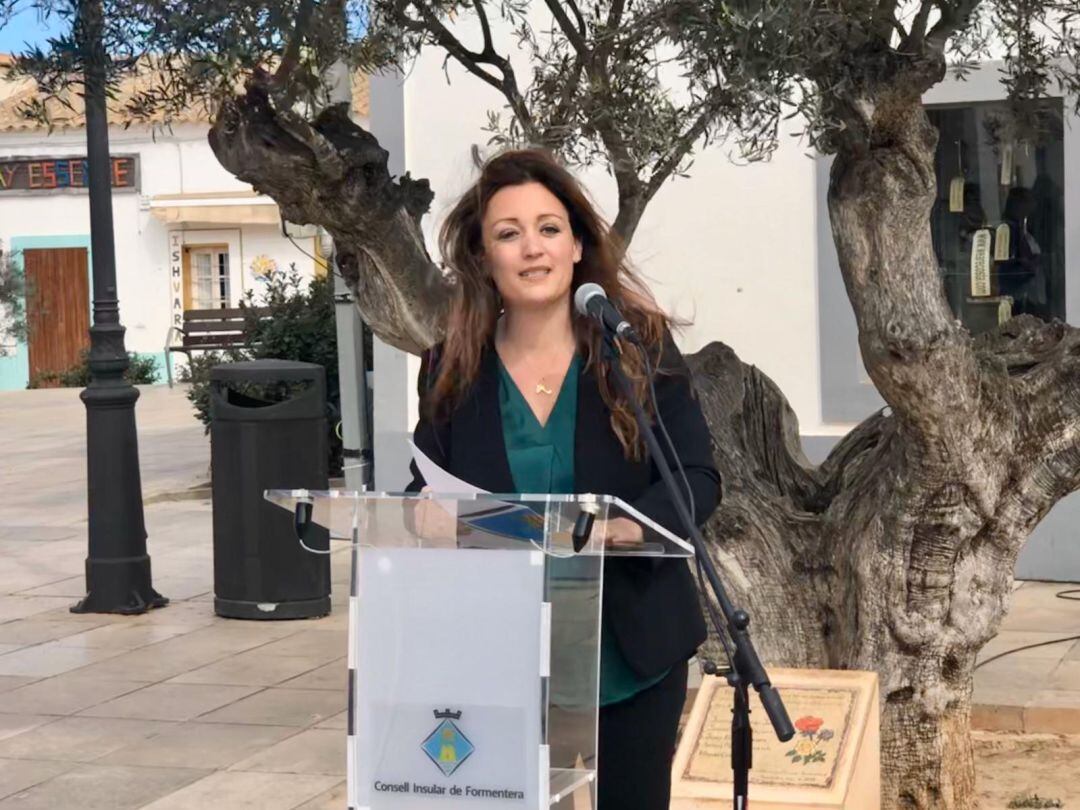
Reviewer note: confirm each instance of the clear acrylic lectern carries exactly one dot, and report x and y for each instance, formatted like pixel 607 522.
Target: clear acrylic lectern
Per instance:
pixel 474 643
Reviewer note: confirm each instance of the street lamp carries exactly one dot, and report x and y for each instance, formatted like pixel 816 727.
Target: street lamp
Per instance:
pixel 117 565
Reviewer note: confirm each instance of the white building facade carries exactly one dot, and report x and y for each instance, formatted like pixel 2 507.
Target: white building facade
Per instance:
pixel 188 235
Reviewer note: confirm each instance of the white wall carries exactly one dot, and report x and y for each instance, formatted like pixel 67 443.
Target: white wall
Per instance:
pixel 266 240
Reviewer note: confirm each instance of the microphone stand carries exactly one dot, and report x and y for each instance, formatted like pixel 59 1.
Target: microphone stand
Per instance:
pixel 747 669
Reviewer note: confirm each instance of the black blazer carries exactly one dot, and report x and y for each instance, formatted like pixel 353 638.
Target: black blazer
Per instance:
pixel 651 606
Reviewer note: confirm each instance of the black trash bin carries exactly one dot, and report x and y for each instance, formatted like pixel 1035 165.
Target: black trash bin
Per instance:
pixel 267 431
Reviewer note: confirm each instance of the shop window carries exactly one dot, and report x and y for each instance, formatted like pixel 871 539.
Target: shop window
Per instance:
pixel 998 222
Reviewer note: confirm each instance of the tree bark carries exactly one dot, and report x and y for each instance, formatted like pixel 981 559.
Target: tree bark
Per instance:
pixel 911 612
pixel 839 565
pixel 896 554
pixel 333 173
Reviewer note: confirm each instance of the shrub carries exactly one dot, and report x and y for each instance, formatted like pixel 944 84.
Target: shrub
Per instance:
pixel 299 326
pixel 12 302
pixel 140 371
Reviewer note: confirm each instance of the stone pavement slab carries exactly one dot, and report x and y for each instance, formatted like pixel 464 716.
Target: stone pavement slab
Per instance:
pixel 333 676
pixel 170 701
pixel 333 799
pixel 285 707
pixel 77 739
pixel 211 746
pixel 246 791
pixel 102 787
pixel 8 682
pixel 17 775
pixel 65 694
pixel 1035 690
pixel 50 658
pixel 316 750
pixel 258 667
pixel 16 723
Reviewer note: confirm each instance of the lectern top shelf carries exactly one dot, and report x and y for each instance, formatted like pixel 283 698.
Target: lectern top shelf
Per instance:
pixel 559 525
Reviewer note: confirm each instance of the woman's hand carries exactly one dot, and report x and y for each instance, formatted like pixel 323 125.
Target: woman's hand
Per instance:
pixel 433 524
pixel 619 532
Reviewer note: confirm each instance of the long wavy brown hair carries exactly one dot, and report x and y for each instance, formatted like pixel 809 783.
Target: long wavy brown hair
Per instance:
pixel 475 310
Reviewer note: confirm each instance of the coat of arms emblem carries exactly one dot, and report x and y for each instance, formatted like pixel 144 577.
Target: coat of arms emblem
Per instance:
pixel 447 746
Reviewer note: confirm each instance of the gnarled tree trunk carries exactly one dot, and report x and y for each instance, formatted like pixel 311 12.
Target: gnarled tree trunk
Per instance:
pixel 896 554
pixel 333 173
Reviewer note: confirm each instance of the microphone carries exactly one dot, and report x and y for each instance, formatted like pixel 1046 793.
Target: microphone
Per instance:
pixel 583 526
pixel 591 301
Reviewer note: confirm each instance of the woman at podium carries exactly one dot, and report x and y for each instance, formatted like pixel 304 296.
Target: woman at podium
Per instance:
pixel 518 399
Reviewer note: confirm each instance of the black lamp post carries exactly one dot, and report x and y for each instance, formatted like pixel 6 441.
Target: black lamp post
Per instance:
pixel 117 565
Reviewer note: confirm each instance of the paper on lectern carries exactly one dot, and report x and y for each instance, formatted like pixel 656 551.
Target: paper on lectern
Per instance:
pixel 514 520
pixel 439 479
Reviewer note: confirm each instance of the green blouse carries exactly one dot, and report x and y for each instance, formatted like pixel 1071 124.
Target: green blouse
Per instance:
pixel 542 460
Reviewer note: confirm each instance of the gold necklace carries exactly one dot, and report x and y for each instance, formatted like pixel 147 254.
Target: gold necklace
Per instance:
pixel 540 388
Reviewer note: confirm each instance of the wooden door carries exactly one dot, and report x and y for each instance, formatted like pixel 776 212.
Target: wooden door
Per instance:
pixel 57 308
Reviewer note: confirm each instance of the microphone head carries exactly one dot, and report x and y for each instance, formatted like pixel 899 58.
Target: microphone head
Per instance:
pixel 584 293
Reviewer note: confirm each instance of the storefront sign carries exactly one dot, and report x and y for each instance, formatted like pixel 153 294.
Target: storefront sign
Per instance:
pixel 49 174
pixel 176 277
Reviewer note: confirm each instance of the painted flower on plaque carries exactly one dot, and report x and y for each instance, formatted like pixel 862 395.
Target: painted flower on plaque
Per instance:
pixel 812 743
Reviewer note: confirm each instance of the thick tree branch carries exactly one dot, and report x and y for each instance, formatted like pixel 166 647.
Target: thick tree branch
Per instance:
pixel 578 16
pixel 762 535
pixel 955 17
pixel 485 27
pixel 325 154
pixel 612 29
pixel 628 182
pixel 291 56
pixel 633 193
pixel 374 219
pixel 631 189
pixel 854 456
pixel 1042 362
pixel 564 108
pixel 575 37
pixel 914 39
pixel 880 199
pixel 884 18
pixel 615 14
pixel 471 61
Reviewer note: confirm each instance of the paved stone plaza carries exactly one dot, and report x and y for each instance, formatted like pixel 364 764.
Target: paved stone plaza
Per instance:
pixel 180 709
pixel 173 709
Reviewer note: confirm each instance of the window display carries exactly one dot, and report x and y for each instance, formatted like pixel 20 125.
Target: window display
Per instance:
pixel 998 223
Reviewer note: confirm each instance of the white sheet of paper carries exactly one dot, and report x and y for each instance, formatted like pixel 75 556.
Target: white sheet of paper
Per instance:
pixel 439 479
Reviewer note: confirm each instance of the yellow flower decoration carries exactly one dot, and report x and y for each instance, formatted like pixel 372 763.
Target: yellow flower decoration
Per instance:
pixel 804 747
pixel 263 265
